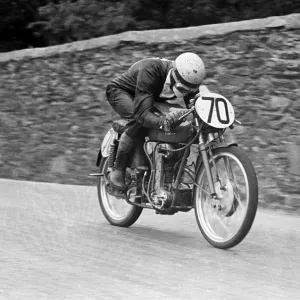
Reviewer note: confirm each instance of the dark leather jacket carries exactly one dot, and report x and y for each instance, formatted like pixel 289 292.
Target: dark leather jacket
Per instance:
pixel 145 80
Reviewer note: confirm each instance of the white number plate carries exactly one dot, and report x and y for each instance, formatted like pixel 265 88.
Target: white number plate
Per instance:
pixel 215 110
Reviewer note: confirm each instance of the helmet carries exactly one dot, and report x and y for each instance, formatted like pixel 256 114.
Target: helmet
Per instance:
pixel 188 71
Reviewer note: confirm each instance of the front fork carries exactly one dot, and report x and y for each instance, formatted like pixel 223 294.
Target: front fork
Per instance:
pixel 207 168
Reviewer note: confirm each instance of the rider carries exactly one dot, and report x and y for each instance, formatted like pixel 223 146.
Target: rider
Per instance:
pixel 133 94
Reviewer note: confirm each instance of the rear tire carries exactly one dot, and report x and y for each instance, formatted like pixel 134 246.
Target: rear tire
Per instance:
pixel 116 210
pixel 233 192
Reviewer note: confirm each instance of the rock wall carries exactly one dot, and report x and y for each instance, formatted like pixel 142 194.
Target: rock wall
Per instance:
pixel 54 114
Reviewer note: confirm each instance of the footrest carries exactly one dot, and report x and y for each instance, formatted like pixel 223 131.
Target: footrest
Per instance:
pixel 115 192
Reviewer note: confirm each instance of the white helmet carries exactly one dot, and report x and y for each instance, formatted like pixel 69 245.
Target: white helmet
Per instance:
pixel 189 70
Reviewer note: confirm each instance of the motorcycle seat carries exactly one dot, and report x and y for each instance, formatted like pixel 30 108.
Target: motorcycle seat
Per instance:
pixel 119 125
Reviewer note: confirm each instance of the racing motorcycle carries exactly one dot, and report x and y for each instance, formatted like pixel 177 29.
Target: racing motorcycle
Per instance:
pixel 192 167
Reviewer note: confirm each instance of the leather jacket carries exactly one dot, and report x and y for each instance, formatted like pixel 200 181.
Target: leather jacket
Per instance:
pixel 145 80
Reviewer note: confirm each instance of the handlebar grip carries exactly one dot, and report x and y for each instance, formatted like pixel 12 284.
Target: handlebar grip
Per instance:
pixel 187 113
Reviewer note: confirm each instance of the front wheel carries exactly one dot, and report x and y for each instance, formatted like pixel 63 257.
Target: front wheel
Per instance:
pixel 225 225
pixel 117 211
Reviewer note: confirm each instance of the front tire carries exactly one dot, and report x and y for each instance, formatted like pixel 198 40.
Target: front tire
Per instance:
pixel 238 191
pixel 116 211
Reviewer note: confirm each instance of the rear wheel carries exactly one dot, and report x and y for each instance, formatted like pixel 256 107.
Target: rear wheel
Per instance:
pixel 226 225
pixel 117 211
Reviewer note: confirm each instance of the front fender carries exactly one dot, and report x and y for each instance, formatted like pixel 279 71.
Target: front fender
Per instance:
pixel 223 145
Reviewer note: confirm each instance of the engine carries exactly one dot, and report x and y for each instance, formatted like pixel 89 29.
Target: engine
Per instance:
pixel 157 185
pixel 164 162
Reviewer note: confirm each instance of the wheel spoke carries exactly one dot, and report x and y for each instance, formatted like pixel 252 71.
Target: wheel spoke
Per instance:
pixel 222 222
pixel 241 205
pixel 237 196
pixel 206 192
pixel 228 168
pixel 214 214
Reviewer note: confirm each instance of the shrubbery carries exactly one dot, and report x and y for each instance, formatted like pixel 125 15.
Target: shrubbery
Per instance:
pixel 26 23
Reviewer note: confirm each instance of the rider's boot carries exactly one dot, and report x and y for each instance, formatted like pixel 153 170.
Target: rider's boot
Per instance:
pixel 117 175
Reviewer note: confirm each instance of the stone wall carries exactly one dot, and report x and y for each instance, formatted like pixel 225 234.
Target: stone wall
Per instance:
pixel 53 111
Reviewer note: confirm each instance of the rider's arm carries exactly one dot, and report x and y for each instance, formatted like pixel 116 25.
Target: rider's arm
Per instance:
pixel 149 84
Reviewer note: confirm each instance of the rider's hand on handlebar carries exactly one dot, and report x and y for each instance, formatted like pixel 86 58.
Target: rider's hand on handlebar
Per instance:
pixel 173 119
pixel 193 100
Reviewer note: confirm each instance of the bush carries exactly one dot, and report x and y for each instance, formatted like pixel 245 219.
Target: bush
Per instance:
pixel 25 23
pixel 69 21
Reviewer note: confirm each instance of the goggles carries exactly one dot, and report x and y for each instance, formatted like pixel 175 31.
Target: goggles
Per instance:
pixel 182 85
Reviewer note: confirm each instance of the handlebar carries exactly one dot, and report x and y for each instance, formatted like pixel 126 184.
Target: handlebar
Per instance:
pixel 187 113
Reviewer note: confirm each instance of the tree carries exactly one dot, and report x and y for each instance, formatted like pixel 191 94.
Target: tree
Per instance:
pixel 35 23
pixel 68 21
pixel 14 18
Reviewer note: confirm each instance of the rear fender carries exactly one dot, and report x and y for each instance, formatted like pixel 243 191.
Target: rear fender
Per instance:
pixel 99 158
pixel 110 136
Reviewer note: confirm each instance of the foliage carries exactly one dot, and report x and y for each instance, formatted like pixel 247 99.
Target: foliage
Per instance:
pixel 26 23
pixel 14 18
pixel 69 20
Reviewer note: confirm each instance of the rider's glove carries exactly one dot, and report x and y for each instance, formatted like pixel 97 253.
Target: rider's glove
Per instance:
pixel 192 101
pixel 173 119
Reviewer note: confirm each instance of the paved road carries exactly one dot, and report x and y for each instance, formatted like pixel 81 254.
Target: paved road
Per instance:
pixel 55 244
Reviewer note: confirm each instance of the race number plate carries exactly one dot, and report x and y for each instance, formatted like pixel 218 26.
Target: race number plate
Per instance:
pixel 215 110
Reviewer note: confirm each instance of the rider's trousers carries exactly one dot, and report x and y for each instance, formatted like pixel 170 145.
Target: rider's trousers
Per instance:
pixel 122 104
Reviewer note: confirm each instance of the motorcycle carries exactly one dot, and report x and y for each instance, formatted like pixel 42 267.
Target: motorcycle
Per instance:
pixel 220 183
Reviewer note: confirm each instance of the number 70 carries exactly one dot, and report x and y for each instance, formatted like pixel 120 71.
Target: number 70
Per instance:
pixel 215 103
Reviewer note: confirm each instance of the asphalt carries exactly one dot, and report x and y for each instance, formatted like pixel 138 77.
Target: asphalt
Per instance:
pixel 56 244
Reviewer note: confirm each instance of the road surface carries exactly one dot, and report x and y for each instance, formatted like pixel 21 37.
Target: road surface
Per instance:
pixel 55 244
